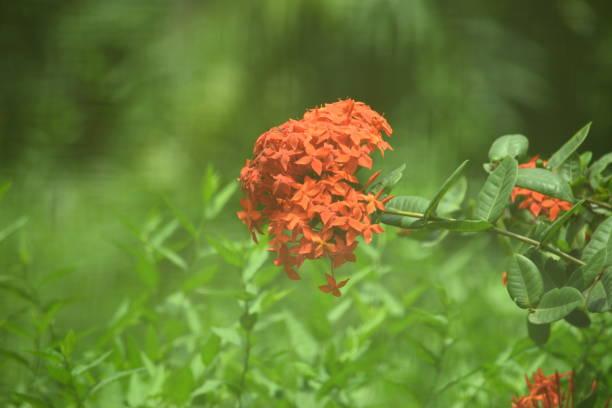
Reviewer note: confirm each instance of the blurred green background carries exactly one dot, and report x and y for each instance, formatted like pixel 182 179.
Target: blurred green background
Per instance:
pixel 111 112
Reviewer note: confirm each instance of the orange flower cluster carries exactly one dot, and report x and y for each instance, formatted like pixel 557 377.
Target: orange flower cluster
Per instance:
pixel 539 203
pixel 301 180
pixel 545 391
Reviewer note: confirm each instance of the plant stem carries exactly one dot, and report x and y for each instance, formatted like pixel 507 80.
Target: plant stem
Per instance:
pixel 535 243
pixel 73 387
pixel 245 366
pixel 599 203
pixel 527 240
pixel 247 355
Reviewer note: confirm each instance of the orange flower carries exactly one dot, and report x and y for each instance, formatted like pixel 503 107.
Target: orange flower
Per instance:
pixel 301 182
pixel 550 392
pixel 539 203
pixel 546 392
pixel 332 286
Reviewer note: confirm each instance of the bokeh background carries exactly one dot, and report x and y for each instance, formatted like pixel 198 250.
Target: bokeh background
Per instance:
pixel 113 112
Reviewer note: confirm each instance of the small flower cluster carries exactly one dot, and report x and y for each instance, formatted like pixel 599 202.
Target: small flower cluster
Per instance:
pixel 539 203
pixel 545 391
pixel 301 181
pixel 549 392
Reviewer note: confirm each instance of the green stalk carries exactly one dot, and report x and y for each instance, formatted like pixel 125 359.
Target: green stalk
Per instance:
pixel 506 233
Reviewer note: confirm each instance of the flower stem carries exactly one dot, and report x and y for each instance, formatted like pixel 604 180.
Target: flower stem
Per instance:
pixel 599 203
pixel 245 366
pixel 247 356
pixel 513 235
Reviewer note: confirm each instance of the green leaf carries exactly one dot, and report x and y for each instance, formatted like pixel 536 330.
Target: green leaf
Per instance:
pixel 584 276
pixel 67 345
pixel 208 386
pixel 14 356
pixel 556 304
pixel 585 159
pixel 407 204
pixel 597 168
pixel 578 318
pixel 545 182
pixel 453 198
pixel 255 261
pixel 30 399
pixel 220 199
pixel 198 279
pixel 110 379
pixel 571 170
pixel 179 385
pixel 164 233
pixel 460 225
pixel 525 284
pixel 247 321
pixel 388 181
pixel 539 333
pixel 210 184
pixel 508 146
pixel 555 226
pixel 231 253
pixel 80 369
pixel 182 218
pixel 601 238
pixel 301 340
pixel 495 194
pixel 19 223
pixel 588 402
pixel 597 299
pixel 58 373
pixel 606 281
pixel 57 274
pixel 172 256
pixel 228 334
pixel 561 155
pixel 450 181
pixel 210 349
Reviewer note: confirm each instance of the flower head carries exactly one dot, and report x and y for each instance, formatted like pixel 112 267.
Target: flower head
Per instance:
pixel 546 391
pixel 332 286
pixel 539 203
pixel 301 182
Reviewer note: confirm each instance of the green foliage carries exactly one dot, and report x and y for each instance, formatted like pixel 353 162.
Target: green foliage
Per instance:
pixel 597 301
pixel 584 276
pixel 461 225
pixel 601 240
pixel 553 228
pixel 450 181
pixel 452 200
pixel 545 182
pixel 411 204
pixel 539 333
pixel 525 284
pixel 508 146
pixel 578 318
pixel 388 181
pixel 495 193
pixel 565 151
pixel 596 172
pixel 555 305
pixel 126 280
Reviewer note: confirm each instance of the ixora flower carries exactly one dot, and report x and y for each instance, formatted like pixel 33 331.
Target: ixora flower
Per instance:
pixel 301 182
pixel 539 203
pixel 552 391
pixel 546 391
